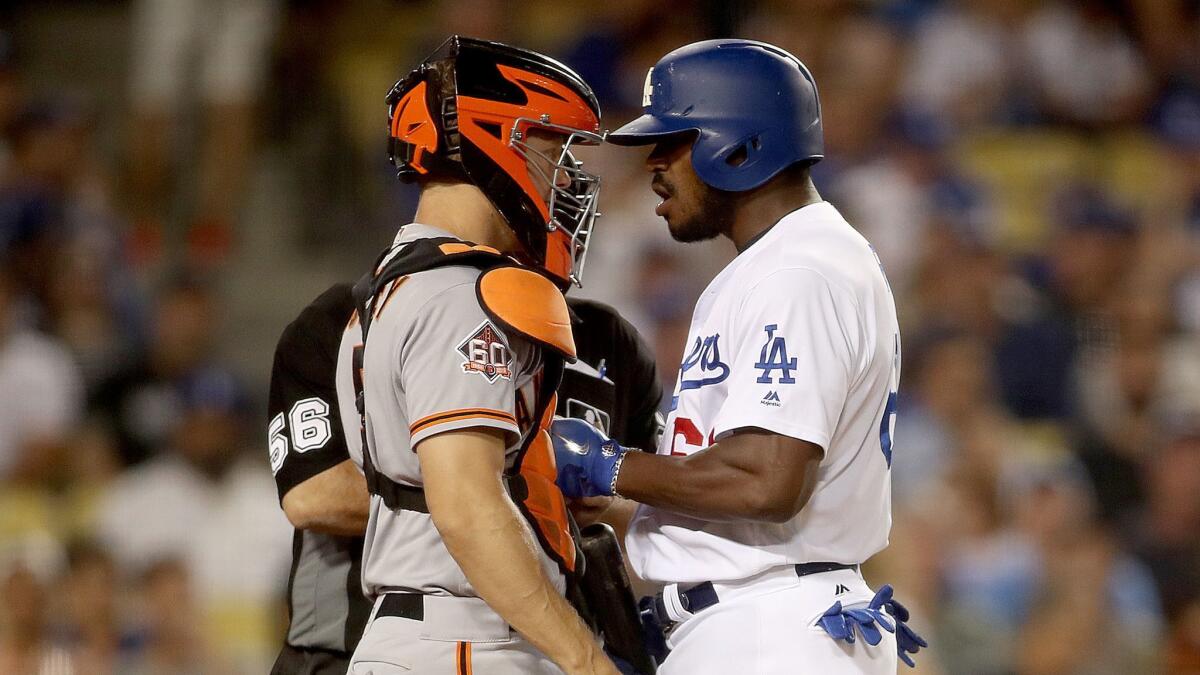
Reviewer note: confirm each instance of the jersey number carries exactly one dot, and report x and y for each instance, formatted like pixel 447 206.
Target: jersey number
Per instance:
pixel 309 420
pixel 887 426
pixel 686 428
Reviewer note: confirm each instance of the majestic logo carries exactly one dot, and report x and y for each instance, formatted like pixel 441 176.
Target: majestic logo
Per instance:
pixel 774 357
pixel 771 399
pixel 706 354
pixel 486 353
pixel 840 589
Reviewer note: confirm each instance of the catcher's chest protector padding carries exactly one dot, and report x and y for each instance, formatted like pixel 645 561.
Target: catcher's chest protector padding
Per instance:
pixel 521 301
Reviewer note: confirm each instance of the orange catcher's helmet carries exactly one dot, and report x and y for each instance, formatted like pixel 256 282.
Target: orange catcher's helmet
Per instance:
pixel 466 112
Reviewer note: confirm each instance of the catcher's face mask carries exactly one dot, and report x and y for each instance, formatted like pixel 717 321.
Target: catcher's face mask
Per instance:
pixel 570 193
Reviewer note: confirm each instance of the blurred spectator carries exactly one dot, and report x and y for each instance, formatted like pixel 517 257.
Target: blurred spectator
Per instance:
pixel 961 68
pixel 1183 653
pixel 1087 577
pixel 60 235
pixel 142 402
pixel 174 644
pixel 1089 252
pixel 205 502
pixel 1177 122
pixel 89 465
pixel 10 94
pixel 231 40
pixel 42 395
pixel 911 193
pixel 1079 280
pixel 1128 392
pixel 989 573
pixel 1166 32
pixel 948 414
pixel 24 644
pixel 93 631
pixel 1081 573
pixel 859 69
pixel 1084 66
pixel 1166 531
pixel 667 304
pixel 32 211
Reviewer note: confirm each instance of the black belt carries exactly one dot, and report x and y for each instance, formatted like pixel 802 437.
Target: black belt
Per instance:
pixel 403 605
pixel 703 595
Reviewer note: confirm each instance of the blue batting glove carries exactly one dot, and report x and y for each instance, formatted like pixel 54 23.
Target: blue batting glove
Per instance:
pixel 587 459
pixel 907 640
pixel 840 623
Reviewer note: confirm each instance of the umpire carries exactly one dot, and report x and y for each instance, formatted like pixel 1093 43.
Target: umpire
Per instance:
pixel 614 385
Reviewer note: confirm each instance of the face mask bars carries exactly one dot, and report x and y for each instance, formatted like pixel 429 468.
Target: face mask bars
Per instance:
pixel 572 207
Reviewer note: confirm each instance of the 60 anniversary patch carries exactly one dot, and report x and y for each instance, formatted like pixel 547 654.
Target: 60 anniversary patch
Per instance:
pixel 486 353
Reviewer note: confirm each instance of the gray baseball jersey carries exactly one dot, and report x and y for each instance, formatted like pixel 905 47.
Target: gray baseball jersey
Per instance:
pixel 434 363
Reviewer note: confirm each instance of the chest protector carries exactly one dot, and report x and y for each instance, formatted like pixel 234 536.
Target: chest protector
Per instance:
pixel 521 301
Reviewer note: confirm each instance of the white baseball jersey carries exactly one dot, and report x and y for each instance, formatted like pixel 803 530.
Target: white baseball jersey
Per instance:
pixel 797 336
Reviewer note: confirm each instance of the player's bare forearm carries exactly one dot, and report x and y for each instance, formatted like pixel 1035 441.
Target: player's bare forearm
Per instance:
pixel 334 501
pixel 752 475
pixel 612 511
pixel 485 528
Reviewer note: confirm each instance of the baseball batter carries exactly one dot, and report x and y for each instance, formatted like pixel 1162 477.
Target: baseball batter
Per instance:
pixel 771 484
pixel 450 366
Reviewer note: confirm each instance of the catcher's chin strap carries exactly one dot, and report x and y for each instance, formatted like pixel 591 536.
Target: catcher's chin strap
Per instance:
pixel 530 484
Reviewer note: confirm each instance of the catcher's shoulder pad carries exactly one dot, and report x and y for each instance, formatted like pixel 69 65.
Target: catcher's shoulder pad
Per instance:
pixel 530 304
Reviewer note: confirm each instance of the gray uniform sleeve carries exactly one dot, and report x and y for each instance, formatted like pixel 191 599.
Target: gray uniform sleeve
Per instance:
pixel 458 370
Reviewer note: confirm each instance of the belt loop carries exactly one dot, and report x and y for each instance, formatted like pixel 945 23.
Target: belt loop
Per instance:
pixel 805 569
pixel 673 602
pixel 375 608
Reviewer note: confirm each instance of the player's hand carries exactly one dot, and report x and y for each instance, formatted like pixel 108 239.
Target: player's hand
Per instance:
pixel 587 459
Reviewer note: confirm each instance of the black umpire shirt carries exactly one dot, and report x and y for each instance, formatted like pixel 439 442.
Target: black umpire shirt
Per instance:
pixel 614 385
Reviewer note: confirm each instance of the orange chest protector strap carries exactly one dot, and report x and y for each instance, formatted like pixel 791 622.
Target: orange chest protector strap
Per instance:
pixel 522 302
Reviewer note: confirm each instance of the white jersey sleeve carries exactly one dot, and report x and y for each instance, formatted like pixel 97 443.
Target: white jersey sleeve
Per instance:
pixel 794 338
pixel 457 369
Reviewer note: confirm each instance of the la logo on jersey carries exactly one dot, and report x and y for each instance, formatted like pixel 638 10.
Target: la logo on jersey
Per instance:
pixel 774 357
pixel 486 353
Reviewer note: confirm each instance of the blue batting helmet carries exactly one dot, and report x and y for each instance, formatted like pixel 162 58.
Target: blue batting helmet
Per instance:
pixel 753 105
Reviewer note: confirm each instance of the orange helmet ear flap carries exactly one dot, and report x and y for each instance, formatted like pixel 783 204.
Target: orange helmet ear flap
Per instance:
pixel 422 125
pixel 413 131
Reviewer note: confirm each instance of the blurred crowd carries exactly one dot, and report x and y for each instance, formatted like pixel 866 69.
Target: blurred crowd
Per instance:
pixel 179 177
